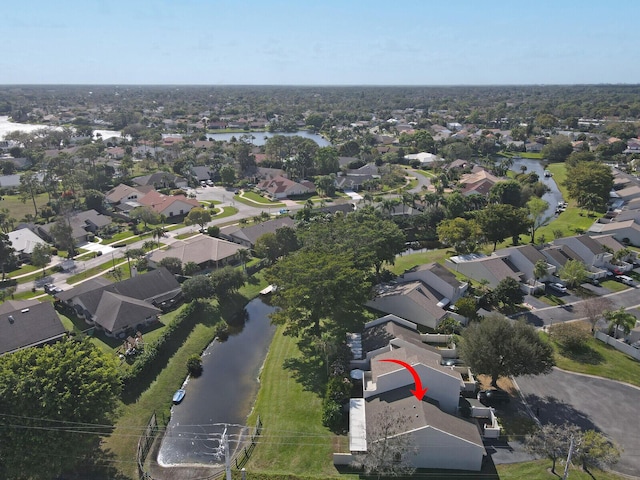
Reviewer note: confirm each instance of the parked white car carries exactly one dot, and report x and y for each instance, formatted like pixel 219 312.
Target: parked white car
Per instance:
pixel 558 287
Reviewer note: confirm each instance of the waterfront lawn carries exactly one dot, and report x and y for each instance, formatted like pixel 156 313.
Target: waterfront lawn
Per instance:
pixel 600 359
pixel 293 440
pixel 420 258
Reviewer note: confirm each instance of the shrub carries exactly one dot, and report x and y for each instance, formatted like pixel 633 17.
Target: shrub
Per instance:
pixel 332 417
pixel 194 365
pixel 338 390
pixel 571 336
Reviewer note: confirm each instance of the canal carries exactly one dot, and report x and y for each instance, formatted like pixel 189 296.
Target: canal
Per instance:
pixel 223 394
pixel 553 197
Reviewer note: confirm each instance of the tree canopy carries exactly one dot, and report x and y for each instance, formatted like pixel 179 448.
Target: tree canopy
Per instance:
pixel 198 216
pixel 500 347
pixel 48 396
pixel 317 290
pixel 589 183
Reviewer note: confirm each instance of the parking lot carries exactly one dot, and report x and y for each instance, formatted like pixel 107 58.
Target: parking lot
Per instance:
pixel 590 403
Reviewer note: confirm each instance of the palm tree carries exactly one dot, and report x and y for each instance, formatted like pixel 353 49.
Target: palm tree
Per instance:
pixel 148 245
pixel 243 256
pixel 389 205
pixel 540 269
pixel 158 233
pixel 620 320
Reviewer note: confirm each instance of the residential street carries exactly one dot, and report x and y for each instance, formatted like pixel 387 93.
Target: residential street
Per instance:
pixel 591 403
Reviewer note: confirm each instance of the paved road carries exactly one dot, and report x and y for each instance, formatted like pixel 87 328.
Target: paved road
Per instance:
pixel 591 403
pixel 550 315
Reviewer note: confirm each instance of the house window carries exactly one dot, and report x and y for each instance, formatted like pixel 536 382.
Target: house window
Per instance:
pixel 181 212
pixel 171 214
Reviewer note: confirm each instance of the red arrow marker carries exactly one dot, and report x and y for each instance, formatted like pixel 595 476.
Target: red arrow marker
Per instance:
pixel 419 391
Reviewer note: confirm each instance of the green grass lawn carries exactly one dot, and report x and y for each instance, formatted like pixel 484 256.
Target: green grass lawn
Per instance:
pixel 226 212
pixel 409 261
pixel 103 267
pixel 540 470
pixel 614 286
pixel 598 358
pixel 424 173
pixel 251 198
pixel 118 237
pixel 26 268
pixel 182 236
pixel 293 440
pixel 18 209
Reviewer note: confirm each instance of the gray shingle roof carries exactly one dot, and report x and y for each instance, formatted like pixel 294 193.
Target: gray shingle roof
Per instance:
pixel 420 414
pixel 38 324
pixel 116 312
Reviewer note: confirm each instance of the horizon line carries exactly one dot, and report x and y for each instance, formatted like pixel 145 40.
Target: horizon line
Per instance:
pixel 333 85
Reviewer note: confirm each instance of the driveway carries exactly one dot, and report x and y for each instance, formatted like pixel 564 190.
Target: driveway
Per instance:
pixel 591 403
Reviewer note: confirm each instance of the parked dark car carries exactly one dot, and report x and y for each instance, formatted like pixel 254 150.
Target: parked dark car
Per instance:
pixel 493 397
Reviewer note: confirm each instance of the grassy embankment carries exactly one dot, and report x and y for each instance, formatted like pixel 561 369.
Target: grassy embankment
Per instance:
pixel 600 359
pixel 570 222
pixel 293 440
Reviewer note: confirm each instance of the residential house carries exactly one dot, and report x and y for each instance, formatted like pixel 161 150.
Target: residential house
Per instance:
pixel 160 180
pixel 205 251
pixel 202 173
pixel 479 182
pixel 247 236
pixel 627 193
pixel 458 440
pixel 169 205
pixel 524 259
pixel 118 307
pixel 439 278
pixel 28 323
pixel 282 187
pixel 125 194
pixel 434 420
pixel 415 301
pixel 611 244
pixel 591 253
pixel 83 226
pixel 424 158
pixel 23 242
pixel 627 232
pixel 479 267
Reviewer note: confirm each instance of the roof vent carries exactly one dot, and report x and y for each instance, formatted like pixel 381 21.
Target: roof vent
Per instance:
pixel 11 319
pixel 24 310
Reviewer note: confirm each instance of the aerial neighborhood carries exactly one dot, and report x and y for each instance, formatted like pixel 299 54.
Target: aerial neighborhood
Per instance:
pixel 424 279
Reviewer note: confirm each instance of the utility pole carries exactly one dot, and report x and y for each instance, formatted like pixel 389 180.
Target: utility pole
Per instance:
pixel 227 456
pixel 566 467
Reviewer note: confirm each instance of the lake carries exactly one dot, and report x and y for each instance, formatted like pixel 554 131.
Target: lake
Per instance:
pixel 6 127
pixel 224 393
pixel 260 137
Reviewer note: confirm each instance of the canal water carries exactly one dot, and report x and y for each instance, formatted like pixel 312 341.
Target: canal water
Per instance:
pixel 553 196
pixel 223 394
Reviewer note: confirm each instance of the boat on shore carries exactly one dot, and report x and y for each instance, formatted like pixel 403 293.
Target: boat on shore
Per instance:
pixel 178 396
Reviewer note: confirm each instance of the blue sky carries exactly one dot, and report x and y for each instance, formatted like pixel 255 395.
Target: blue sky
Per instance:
pixel 328 42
